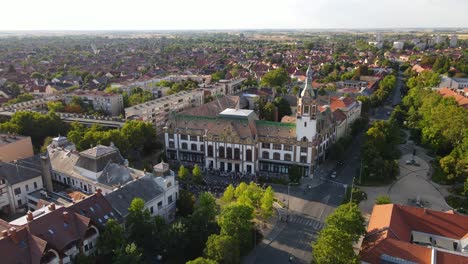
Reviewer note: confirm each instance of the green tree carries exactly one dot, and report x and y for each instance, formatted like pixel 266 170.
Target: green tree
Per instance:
pixel 228 194
pixel 236 220
pixel 183 173
pixel 139 224
pixel 267 203
pixel 197 174
pixel 275 78
pixel 240 189
pixel 110 239
pixel 334 247
pixel 348 219
pixel 223 249
pixel 185 203
pixel 383 199
pixel 55 106
pixel 128 254
pixel 268 112
pixel 284 108
pixel 201 260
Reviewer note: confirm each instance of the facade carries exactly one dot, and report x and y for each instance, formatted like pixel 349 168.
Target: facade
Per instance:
pixel 158 111
pixel 405 234
pixel 98 167
pixel 13 147
pixel 398 45
pixel 236 141
pixel 454 83
pixel 17 180
pixel 453 41
pixel 159 190
pixel 111 104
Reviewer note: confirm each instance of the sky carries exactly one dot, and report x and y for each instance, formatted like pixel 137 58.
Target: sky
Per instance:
pixel 233 14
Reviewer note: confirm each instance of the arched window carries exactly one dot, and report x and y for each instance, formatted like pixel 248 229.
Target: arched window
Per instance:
pixel 287 157
pixel 248 155
pixel 184 146
pixel 276 156
pixel 304 139
pixel 305 124
pixel 193 147
pixel 265 155
pixel 221 152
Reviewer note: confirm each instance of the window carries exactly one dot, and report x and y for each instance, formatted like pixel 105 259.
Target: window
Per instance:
pixel 159 205
pixel 277 146
pixel 171 144
pixel 265 155
pixel 303 149
pixel 151 210
pixel 86 247
pixel 27 188
pixel 229 152
pixel 169 199
pixel 248 155
pixel 183 137
pixel 20 202
pixel 171 136
pixel 35 185
pixel 193 147
pixel 306 109
pixel 287 157
pixel 210 150
pixel 193 138
pixel 303 159
pixel 2 181
pixel 266 145
pixel 276 156
pixel 237 153
pixel 305 124
pixel 287 148
pixel 184 146
pixel 18 191
pixel 221 152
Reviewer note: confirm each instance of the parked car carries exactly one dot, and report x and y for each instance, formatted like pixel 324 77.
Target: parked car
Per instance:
pixel 333 175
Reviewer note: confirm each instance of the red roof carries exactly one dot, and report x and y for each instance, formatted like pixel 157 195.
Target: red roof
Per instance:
pixel 340 102
pixel 390 227
pixel 461 100
pixel 21 247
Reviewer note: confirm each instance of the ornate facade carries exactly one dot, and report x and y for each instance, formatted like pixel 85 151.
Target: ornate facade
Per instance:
pixel 235 140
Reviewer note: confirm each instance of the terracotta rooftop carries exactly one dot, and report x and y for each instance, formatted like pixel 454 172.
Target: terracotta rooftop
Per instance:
pixel 461 100
pixel 390 227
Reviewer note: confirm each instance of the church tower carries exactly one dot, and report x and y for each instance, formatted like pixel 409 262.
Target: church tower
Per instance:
pixel 306 117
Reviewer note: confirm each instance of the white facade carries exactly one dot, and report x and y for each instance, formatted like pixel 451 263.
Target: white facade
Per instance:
pixel 398 45
pixel 453 41
pixel 112 104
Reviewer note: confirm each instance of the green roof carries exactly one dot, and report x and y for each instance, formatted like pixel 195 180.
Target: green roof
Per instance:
pixel 277 124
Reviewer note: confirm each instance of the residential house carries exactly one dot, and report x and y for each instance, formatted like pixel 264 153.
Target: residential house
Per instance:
pixel 110 103
pixel 405 234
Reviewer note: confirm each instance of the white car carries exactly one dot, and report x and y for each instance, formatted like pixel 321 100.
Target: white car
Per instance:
pixel 333 175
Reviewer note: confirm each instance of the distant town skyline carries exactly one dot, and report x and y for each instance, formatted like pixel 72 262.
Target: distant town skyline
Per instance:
pixel 241 14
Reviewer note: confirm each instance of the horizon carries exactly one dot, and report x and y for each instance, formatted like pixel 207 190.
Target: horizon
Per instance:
pixel 143 15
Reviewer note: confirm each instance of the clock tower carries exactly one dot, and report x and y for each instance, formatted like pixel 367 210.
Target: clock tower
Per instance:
pixel 306 117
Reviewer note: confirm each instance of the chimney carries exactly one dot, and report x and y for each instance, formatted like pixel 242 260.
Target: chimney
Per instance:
pixel 66 217
pixel 51 207
pixel 29 216
pixel 46 170
pixel 98 191
pixel 5 233
pixel 13 235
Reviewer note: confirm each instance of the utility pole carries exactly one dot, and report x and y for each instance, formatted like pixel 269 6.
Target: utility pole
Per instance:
pixel 352 187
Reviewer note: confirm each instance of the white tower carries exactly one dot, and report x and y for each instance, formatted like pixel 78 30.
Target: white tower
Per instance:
pixel 453 41
pixel 306 122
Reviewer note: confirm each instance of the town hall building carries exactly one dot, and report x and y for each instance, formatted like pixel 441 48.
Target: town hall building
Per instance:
pixel 235 140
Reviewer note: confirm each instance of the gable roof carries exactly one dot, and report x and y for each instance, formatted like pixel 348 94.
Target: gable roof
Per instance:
pixel 95 207
pixel 459 98
pixel 23 249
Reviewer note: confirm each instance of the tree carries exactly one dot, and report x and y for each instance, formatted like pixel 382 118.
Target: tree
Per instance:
pixel 183 173
pixel 128 254
pixel 240 189
pixel 223 249
pixel 228 194
pixel 197 174
pixel 333 247
pixel 294 173
pixel 36 75
pixel 348 219
pixel 267 203
pixel 283 106
pixel 236 220
pixel 268 112
pixel 383 199
pixel 275 78
pixel 139 224
pixel 201 260
pixel 55 106
pixel 111 238
pixel 185 203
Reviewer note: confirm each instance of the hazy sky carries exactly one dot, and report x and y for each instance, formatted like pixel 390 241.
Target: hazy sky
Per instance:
pixel 232 14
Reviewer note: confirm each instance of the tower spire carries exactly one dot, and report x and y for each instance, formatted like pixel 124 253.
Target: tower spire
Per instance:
pixel 308 89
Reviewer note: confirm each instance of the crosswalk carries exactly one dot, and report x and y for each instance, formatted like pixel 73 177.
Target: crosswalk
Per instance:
pixel 317 225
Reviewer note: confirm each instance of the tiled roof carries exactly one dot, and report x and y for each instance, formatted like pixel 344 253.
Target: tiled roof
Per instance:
pixel 22 248
pixel 461 100
pixel 390 227
pixel 95 207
